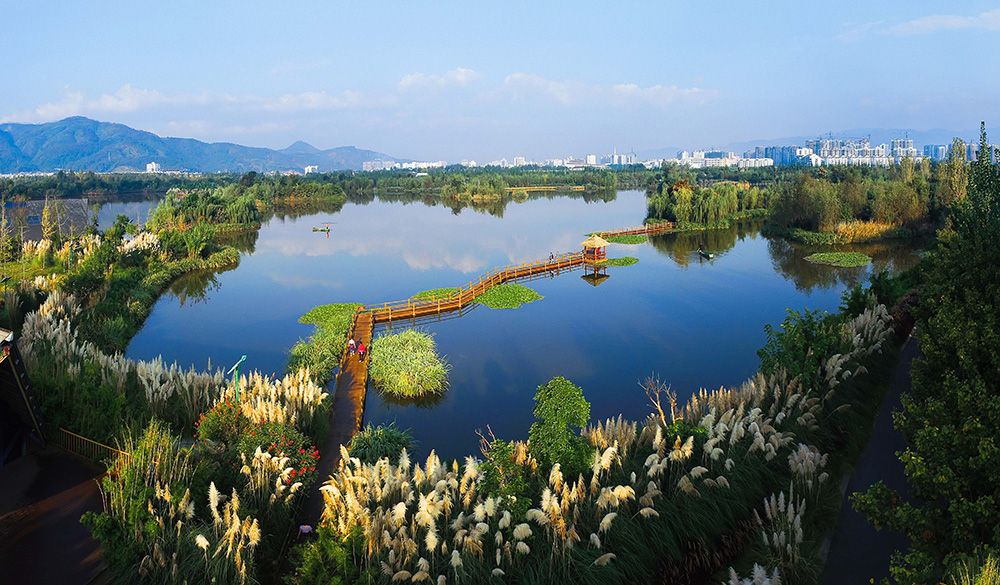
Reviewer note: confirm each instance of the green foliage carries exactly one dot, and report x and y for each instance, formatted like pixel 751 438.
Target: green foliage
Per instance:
pixel 503 477
pixel 624 261
pixel 436 293
pixel 384 441
pixel 322 352
pixel 507 296
pixel 695 206
pixel 802 346
pixel 951 415
pixel 407 365
pixel 841 259
pixel 559 406
pixel 627 239
pixel 809 204
pixel 329 559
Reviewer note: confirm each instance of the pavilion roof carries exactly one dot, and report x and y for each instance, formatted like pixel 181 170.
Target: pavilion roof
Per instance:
pixel 594 241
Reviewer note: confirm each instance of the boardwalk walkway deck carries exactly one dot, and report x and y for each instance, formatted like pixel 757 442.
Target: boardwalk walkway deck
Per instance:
pixel 649 228
pixel 348 414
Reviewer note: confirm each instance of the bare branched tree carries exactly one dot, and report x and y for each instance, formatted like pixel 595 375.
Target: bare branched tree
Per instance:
pixel 656 390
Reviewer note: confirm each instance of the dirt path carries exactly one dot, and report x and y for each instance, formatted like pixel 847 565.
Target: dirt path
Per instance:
pixel 858 552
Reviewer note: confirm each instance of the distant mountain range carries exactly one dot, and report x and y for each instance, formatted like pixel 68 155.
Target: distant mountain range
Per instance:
pixel 877 136
pixel 83 144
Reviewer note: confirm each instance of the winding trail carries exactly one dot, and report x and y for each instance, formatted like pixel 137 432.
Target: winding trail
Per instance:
pixel 859 552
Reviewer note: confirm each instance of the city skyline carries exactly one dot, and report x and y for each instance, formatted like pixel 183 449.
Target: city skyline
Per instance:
pixel 450 81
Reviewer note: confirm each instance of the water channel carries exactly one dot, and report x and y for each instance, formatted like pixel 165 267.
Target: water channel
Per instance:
pixel 693 322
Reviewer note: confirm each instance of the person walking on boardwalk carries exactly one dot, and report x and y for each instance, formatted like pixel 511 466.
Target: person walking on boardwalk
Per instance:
pixel 361 351
pixel 351 346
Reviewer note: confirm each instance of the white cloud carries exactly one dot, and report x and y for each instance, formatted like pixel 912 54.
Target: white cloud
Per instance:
pixel 853 32
pixel 126 99
pixel 456 77
pixel 938 22
pixel 522 87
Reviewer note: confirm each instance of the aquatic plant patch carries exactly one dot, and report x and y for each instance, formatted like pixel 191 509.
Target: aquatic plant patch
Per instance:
pixel 624 261
pixel 627 239
pixel 841 259
pixel 407 365
pixel 321 352
pixel 383 441
pixel 436 293
pixel 508 296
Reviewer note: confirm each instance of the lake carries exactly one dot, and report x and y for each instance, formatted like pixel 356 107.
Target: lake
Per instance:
pixel 694 323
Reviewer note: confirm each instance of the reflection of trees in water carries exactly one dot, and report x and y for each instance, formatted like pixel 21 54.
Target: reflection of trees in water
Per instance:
pixel 682 247
pixel 245 242
pixel 789 260
pixel 495 207
pixel 194 287
pixel 300 209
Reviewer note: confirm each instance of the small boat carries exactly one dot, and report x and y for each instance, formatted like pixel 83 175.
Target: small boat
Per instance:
pixel 316 229
pixel 708 255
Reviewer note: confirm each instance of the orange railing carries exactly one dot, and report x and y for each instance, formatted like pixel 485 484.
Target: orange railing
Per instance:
pixel 646 229
pixel 87 448
pixel 466 294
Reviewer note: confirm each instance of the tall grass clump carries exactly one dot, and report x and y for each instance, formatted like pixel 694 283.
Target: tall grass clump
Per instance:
pixel 407 365
pixel 507 296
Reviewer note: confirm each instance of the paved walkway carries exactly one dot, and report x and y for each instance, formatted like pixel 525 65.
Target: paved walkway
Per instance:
pixel 858 552
pixel 41 538
pixel 348 414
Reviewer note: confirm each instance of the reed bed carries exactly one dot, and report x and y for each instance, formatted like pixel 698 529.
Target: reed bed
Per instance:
pixel 53 351
pixel 407 365
pixel 664 482
pixel 862 231
pixel 383 441
pixel 508 296
pixel 321 353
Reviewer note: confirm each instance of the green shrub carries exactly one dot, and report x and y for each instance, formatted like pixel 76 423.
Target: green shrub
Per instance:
pixel 329 559
pixel 559 406
pixel 224 423
pixel 627 239
pixel 802 345
pixel 322 352
pixel 384 441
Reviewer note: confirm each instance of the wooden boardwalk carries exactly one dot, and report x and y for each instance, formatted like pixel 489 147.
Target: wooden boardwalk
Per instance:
pixel 348 415
pixel 649 228
pixel 412 308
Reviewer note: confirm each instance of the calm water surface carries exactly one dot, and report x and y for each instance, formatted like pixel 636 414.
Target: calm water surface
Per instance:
pixel 694 323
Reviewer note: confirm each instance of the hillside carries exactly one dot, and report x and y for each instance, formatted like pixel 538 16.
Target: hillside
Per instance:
pixel 83 144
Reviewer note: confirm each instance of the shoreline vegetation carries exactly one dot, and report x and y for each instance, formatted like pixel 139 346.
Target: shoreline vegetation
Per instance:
pixel 841 259
pixel 581 502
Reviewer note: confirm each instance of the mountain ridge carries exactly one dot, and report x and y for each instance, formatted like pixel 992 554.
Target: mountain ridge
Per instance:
pixel 80 143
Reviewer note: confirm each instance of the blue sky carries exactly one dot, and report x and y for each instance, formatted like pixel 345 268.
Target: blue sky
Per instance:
pixel 453 80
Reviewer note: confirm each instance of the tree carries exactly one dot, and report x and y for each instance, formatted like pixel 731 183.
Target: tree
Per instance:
pixel 956 174
pixel 951 415
pixel 559 405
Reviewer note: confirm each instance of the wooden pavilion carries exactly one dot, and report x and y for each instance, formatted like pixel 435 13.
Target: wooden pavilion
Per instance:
pixel 594 249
